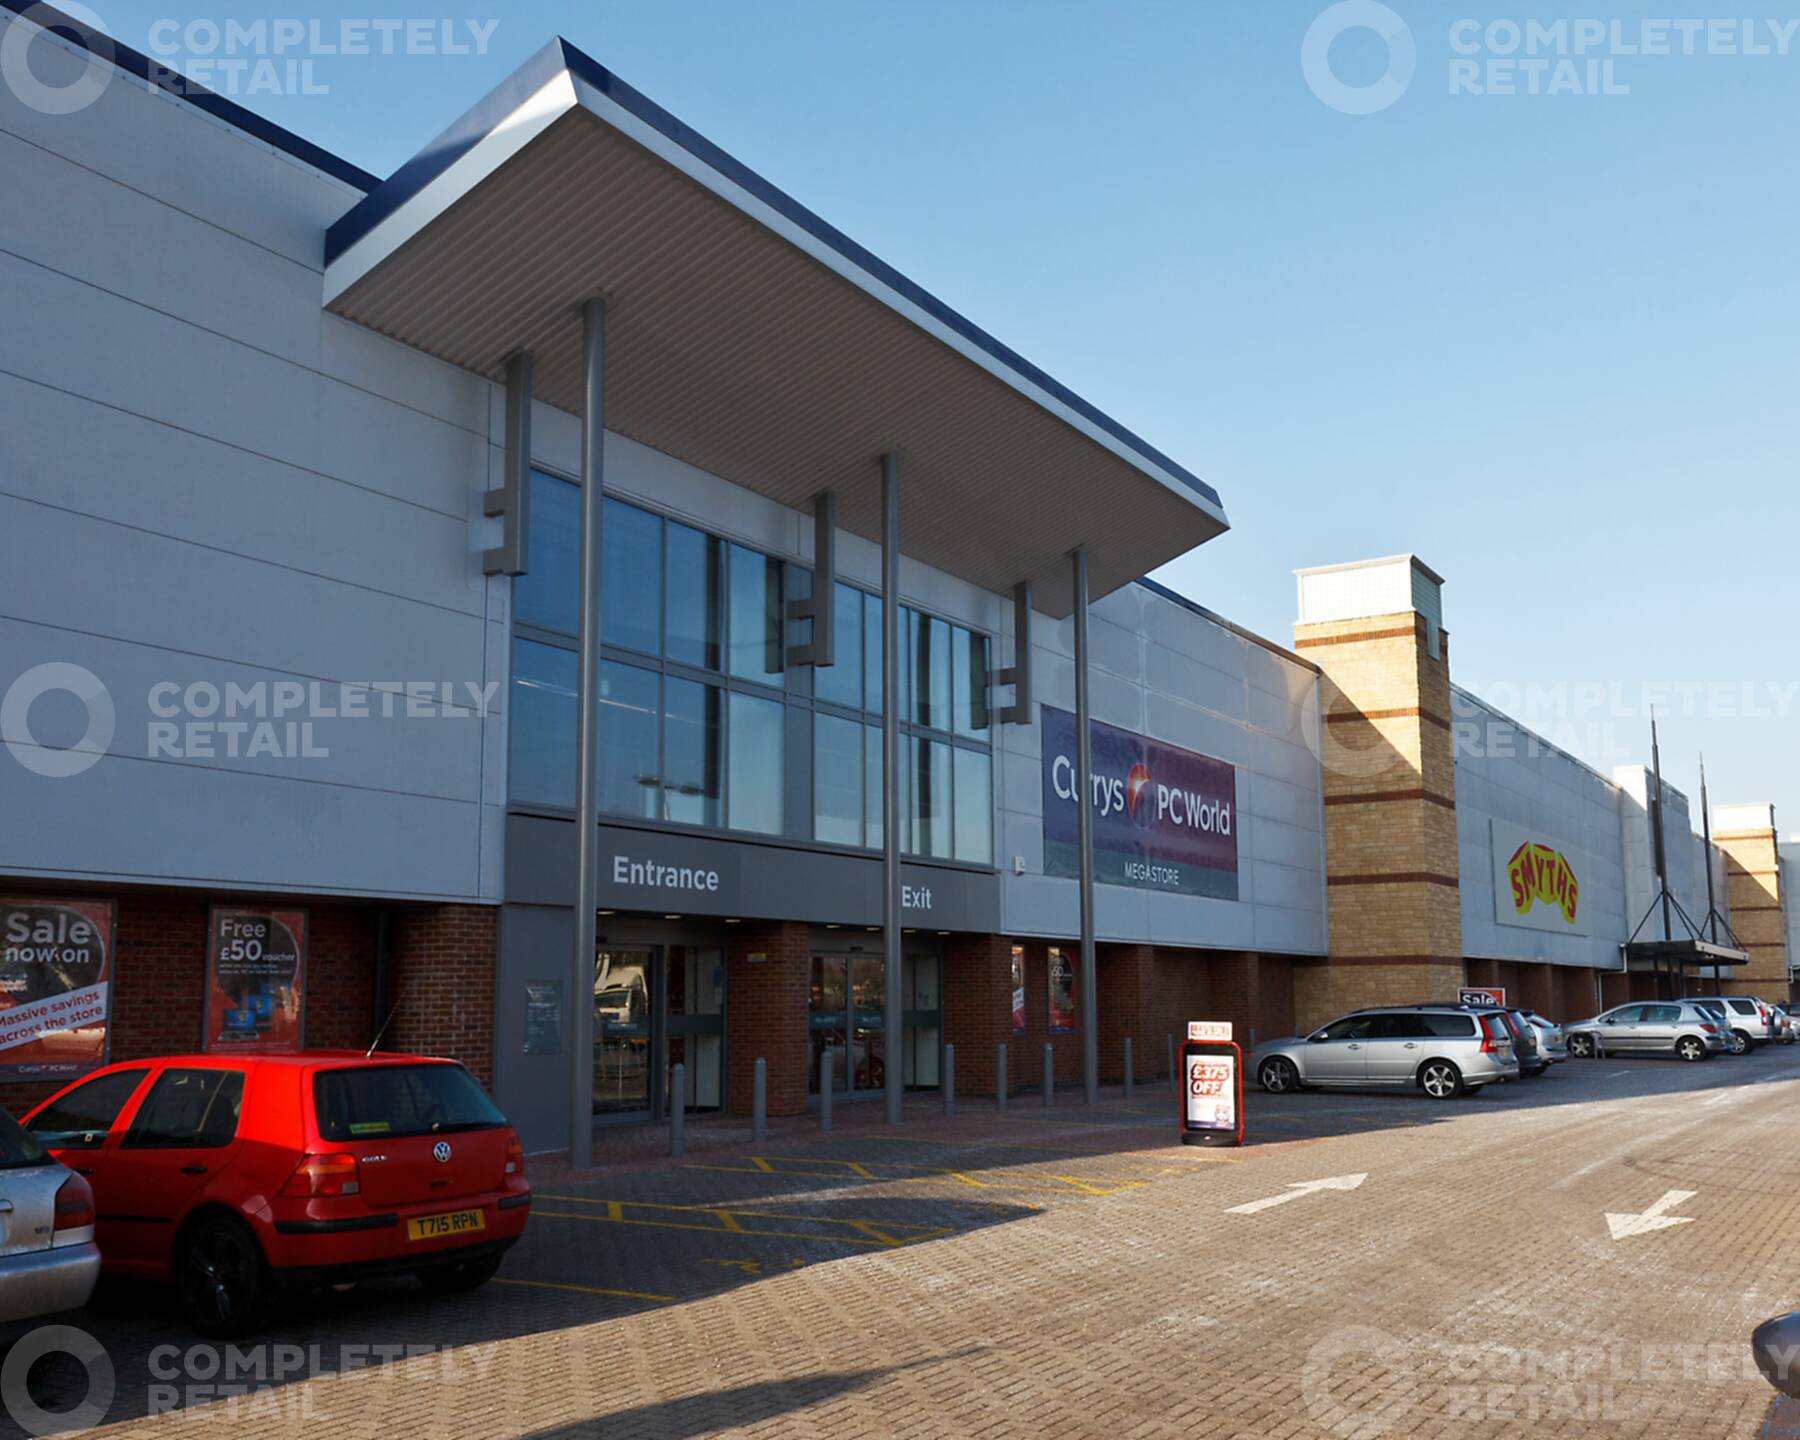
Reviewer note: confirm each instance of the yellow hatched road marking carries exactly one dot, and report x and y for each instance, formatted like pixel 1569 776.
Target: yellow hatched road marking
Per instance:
pixel 730 1222
pixel 808 1167
pixel 582 1289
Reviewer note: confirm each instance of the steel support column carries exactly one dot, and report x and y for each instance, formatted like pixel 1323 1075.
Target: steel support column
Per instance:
pixel 890 788
pixel 587 756
pixel 1084 810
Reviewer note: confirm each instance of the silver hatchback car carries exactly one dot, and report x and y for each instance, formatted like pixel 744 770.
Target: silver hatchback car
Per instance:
pixel 48 1259
pixel 1659 1027
pixel 1445 1051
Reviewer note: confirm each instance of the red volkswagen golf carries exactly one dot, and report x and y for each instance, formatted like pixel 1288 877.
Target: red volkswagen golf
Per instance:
pixel 238 1176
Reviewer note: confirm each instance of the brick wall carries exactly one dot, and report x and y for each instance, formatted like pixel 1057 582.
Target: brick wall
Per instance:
pixel 766 1004
pixel 441 984
pixel 158 999
pixel 977 1011
pixel 1390 817
pixel 1758 911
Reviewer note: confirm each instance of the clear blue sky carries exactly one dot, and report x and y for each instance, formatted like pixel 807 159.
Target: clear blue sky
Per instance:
pixel 1545 342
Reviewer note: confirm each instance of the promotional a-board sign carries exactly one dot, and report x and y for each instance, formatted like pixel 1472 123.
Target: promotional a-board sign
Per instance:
pixel 1211 1069
pixel 255 980
pixel 56 973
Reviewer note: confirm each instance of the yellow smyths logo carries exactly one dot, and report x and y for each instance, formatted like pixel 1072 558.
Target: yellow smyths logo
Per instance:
pixel 1539 873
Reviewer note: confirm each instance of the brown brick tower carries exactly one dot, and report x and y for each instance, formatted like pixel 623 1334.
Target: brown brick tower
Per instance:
pixel 1374 629
pixel 1746 836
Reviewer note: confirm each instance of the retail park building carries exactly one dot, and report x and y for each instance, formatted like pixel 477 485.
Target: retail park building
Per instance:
pixel 292 510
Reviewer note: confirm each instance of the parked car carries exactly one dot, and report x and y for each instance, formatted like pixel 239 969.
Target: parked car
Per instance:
pixel 235 1177
pixel 1789 1032
pixel 1526 1046
pixel 1444 1050
pixel 1661 1027
pixel 48 1259
pixel 1781 1024
pixel 1749 1017
pixel 1551 1040
pixel 1737 1041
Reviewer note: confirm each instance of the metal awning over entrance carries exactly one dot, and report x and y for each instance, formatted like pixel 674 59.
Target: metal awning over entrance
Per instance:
pixel 1685 952
pixel 747 336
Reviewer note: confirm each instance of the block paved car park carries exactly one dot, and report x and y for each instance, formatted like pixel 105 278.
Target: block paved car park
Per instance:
pixel 1073 1271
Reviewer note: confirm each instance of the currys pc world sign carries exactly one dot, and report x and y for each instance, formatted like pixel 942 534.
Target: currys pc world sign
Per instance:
pixel 1164 818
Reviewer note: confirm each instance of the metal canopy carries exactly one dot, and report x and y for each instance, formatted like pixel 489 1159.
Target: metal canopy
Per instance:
pixel 746 336
pixel 1689 952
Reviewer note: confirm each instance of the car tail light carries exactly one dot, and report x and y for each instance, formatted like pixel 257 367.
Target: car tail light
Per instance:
pixel 74 1211
pixel 1488 1037
pixel 1707 1028
pixel 317 1175
pixel 515 1154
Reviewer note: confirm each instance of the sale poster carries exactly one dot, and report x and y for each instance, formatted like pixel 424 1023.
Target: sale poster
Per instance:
pixel 56 972
pixel 1211 1092
pixel 255 980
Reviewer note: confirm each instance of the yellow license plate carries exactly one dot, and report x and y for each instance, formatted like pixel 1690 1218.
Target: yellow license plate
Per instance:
pixel 436 1227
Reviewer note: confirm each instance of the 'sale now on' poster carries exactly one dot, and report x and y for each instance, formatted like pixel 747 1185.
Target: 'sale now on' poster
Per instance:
pixel 56 971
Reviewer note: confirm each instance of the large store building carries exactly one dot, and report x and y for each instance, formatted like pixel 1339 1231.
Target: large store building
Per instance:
pixel 291 534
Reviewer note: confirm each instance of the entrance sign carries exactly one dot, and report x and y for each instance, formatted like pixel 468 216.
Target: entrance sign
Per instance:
pixel 56 970
pixel 1481 995
pixel 1537 881
pixel 1164 818
pixel 1212 1085
pixel 255 980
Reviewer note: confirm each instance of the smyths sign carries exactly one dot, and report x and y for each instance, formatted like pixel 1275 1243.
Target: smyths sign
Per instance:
pixel 1164 818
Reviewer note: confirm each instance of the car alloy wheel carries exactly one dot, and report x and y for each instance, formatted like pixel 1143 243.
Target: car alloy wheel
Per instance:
pixel 1278 1076
pixel 1740 1043
pixel 1581 1046
pixel 1440 1080
pixel 1688 1048
pixel 223 1280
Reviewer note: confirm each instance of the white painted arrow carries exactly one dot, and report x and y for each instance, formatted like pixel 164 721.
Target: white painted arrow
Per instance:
pixel 1296 1190
pixel 1652 1219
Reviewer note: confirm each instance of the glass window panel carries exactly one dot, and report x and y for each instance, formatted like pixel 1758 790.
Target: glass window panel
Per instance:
pixel 837 780
pixel 548 594
pixel 541 729
pixel 872 789
pixel 758 743
pixel 628 748
pixel 974 806
pixel 841 683
pixel 690 787
pixel 930 796
pixel 827 1010
pixel 694 596
pixel 1018 989
pixel 872 658
pixel 970 662
pixel 756 616
pixel 929 672
pixel 631 578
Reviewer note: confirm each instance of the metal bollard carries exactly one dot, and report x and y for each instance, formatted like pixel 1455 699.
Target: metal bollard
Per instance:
pixel 759 1101
pixel 1000 1077
pixel 1049 1074
pixel 1171 1062
pixel 825 1058
pixel 678 1109
pixel 1127 1067
pixel 949 1080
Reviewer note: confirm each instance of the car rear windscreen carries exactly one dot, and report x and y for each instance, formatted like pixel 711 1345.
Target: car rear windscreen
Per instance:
pixel 379 1101
pixel 1449 1026
pixel 17 1148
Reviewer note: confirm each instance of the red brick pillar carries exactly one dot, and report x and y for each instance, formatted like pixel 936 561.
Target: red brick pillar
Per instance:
pixel 977 1005
pixel 441 984
pixel 1234 993
pixel 1124 974
pixel 768 979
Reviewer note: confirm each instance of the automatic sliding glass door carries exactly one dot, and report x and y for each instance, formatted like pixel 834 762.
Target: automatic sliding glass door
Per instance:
pixel 626 1000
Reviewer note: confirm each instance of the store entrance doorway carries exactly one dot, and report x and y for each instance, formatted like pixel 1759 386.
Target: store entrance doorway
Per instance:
pixel 847 1013
pixel 656 1006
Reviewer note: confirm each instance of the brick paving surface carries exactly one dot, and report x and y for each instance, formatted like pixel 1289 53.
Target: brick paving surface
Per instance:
pixel 1072 1273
